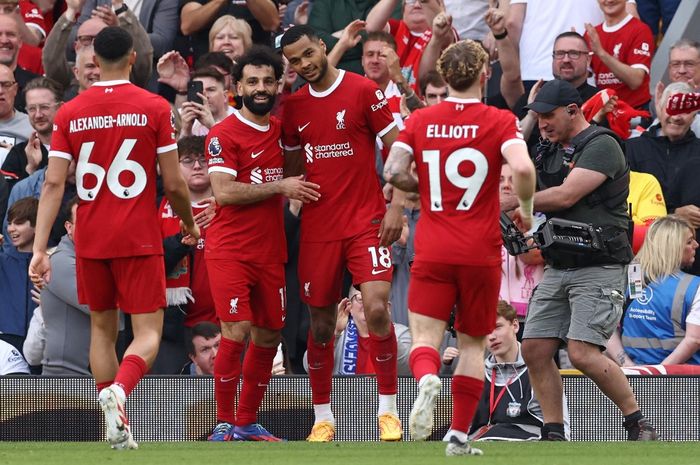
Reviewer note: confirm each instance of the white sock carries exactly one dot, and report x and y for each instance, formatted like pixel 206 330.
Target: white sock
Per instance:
pixel 119 391
pixel 460 435
pixel 323 412
pixel 387 404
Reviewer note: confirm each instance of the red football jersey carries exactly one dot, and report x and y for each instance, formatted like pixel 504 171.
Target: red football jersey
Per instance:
pixel 30 56
pixel 253 154
pixel 114 131
pixel 631 42
pixel 457 147
pixel 336 130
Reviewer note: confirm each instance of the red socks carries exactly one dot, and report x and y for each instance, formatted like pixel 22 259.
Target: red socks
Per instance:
pixel 382 350
pixel 257 370
pixel 227 369
pixel 101 386
pixel 466 392
pixel 320 358
pixel 131 370
pixel 424 361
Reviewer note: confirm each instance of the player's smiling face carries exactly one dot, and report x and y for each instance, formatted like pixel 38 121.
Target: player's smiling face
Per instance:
pixel 258 88
pixel 308 58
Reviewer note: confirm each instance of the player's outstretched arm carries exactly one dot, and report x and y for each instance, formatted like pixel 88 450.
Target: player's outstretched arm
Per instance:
pixel 523 181
pixel 228 191
pixel 397 169
pixel 49 204
pixel 177 192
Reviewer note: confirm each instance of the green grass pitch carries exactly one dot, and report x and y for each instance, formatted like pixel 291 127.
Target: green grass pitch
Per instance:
pixel 349 453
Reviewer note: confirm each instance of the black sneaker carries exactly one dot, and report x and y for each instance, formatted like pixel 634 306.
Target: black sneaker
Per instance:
pixel 641 430
pixel 552 436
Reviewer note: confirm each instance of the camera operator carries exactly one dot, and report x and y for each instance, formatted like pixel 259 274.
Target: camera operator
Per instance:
pixel 583 177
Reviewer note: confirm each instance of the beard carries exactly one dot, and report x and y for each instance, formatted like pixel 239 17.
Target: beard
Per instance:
pixel 257 108
pixel 321 72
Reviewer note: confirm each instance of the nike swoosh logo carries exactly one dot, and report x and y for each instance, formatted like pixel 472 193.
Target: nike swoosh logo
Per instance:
pixel 301 128
pixel 227 380
pixel 262 385
pixel 315 367
pixel 384 358
pixel 256 155
pixel 376 272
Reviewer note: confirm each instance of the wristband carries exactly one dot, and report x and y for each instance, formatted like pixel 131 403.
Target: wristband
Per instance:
pixel 526 207
pixel 121 9
pixel 502 35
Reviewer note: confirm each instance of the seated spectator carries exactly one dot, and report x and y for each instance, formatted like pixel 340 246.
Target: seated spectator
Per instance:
pixel 622 48
pixel 11 360
pixel 59 68
pixel 14 125
pixel 352 340
pixel 158 18
pixel 663 324
pixel 188 296
pixel 683 66
pixel 85 72
pixel 16 305
pixel 231 36
pixel 11 41
pixel 198 118
pixel 421 35
pixel 198 16
pixel 646 200
pixel 666 150
pixel 330 17
pixel 43 96
pixel 66 322
pixel 31 187
pixel 202 347
pixel 508 409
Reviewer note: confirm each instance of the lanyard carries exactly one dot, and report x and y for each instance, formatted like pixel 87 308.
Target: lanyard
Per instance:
pixel 492 403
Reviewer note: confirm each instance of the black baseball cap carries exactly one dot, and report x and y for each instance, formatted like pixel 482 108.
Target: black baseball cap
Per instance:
pixel 553 94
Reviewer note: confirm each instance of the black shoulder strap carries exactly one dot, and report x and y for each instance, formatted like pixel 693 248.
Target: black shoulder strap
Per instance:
pixel 587 135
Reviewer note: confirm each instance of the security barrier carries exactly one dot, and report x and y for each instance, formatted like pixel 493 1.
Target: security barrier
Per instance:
pixel 173 408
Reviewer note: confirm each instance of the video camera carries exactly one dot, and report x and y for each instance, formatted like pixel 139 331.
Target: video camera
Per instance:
pixel 561 234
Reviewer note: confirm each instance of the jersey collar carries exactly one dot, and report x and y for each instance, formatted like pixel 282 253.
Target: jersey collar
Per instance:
pixel 329 91
pixel 116 82
pixel 618 26
pixel 243 120
pixel 462 100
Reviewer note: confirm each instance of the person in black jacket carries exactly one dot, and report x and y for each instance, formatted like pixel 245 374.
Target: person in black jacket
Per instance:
pixel 670 151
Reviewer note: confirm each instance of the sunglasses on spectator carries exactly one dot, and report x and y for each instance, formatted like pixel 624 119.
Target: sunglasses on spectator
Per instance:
pixel 7 84
pixel 573 54
pixel 86 40
pixel 189 161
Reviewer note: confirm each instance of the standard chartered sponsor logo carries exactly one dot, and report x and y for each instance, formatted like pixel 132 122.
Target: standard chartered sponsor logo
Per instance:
pixel 309 149
pixel 328 151
pixel 259 175
pixel 256 176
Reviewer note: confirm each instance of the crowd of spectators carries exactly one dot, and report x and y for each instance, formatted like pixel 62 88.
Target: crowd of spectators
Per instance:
pixel 186 51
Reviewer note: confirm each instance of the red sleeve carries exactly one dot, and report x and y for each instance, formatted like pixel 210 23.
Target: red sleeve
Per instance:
pixel 290 133
pixel 394 26
pixel 60 145
pixel 406 139
pixel 32 16
pixel 512 133
pixel 222 152
pixel 166 139
pixel 376 106
pixel 641 47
